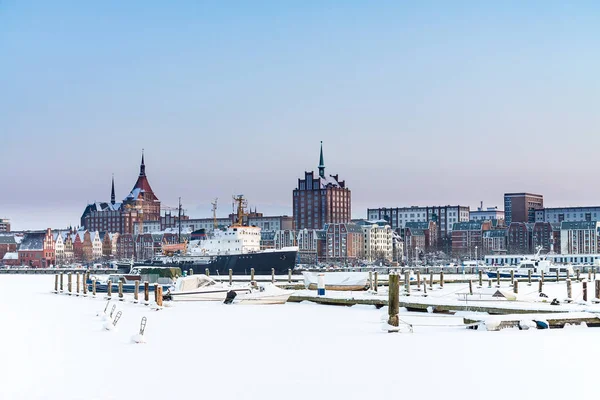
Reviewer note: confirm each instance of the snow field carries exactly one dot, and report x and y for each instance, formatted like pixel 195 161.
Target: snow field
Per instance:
pixel 55 347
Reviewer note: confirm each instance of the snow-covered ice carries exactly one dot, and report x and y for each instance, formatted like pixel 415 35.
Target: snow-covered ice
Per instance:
pixel 55 347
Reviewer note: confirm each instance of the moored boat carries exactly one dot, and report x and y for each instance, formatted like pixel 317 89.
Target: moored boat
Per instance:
pixel 201 288
pixel 337 280
pixel 536 266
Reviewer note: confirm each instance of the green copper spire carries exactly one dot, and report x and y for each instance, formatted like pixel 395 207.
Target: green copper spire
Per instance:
pixel 321 163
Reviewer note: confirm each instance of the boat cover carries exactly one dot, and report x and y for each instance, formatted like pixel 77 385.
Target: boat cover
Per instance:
pixel 193 282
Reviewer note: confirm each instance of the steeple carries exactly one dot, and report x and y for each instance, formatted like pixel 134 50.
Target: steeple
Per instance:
pixel 321 163
pixel 142 166
pixel 112 192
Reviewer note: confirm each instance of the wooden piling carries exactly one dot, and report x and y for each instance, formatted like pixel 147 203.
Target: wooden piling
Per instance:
pixel 529 277
pixel 597 291
pixel 589 274
pixel 77 283
pixel 85 285
pixel 370 280
pixel 393 301
pixel 146 292
pixel 425 286
pixel 540 285
pixel 159 296
pixel 512 276
pixel 272 275
pixel 70 283
pixel 230 277
pixel 376 280
pixel 120 290
pixel 480 278
pixel 207 272
pixel 569 291
pixel 56 283
pixel 156 292
pixel 136 291
pixel 61 282
pixel 516 286
pixel 497 278
pixel 471 287
pixel 407 281
pixel 577 272
pixel 94 287
pixel 442 279
pixel 584 291
pixel 489 283
pixel 594 272
pixel 418 278
pixel 289 275
pixel 252 274
pixel 568 274
pixel 542 277
pixel 431 280
pixel 109 289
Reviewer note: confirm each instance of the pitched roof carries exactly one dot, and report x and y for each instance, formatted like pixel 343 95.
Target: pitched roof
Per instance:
pixel 467 226
pixel 417 225
pixel 7 239
pixel 33 241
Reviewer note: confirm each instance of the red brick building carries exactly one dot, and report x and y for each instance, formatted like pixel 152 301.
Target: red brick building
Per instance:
pixel 520 207
pixel 37 249
pixel 320 200
pixel 7 244
pixel 519 238
pixel 140 203
pixel 547 235
pixel 467 238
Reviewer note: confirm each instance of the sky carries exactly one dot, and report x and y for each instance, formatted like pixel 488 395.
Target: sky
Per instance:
pixel 417 103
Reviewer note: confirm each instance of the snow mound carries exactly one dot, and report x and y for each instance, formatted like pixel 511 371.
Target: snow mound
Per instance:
pixel 526 324
pixel 138 338
pixel 108 325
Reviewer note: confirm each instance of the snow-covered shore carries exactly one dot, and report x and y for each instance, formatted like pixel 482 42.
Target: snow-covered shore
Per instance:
pixel 55 347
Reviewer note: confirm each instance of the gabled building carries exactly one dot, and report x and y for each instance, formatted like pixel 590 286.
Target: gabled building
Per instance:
pixel 494 242
pixel 379 246
pixel 37 249
pixel 467 238
pixel 8 244
pixel 547 235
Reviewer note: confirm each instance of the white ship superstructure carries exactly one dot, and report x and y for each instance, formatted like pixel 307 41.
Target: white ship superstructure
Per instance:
pixel 235 240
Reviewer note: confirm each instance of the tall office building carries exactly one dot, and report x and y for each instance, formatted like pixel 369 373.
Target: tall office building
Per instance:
pixel 520 207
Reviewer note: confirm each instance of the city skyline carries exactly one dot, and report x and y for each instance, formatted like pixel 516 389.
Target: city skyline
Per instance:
pixel 429 104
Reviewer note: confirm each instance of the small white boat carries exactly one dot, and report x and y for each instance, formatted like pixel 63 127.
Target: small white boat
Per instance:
pixel 202 288
pixel 264 294
pixel 537 264
pixel 338 280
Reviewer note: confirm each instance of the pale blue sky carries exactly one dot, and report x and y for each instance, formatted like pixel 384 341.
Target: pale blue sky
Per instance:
pixel 420 103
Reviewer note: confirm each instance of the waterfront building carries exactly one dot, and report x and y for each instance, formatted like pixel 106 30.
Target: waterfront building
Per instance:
pixel 444 216
pixel 494 242
pixel 321 200
pixel 37 249
pixel 568 214
pixel 519 238
pixel 8 244
pixel 579 237
pixel 467 238
pixel 378 240
pixel 344 242
pixel 521 207
pixel 430 235
pixel 547 235
pixel 489 214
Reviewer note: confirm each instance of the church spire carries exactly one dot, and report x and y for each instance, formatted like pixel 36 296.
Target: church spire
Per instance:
pixel 321 163
pixel 142 166
pixel 112 192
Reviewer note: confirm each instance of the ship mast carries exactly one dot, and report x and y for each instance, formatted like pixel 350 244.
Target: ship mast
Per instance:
pixel 214 210
pixel 241 204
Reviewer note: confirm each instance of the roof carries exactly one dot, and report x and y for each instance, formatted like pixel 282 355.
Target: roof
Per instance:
pixel 7 239
pixel 467 226
pixel 417 225
pixel 11 256
pixel 416 231
pixel 578 225
pixel 494 233
pixel 33 241
pixel 522 194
